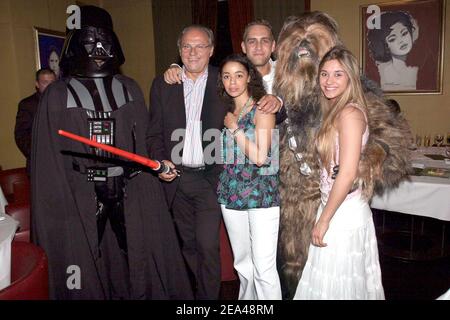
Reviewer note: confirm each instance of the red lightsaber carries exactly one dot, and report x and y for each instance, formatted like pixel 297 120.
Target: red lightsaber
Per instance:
pixel 158 166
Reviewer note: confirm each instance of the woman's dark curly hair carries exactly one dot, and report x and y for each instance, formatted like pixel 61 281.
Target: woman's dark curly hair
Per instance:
pixel 377 37
pixel 255 86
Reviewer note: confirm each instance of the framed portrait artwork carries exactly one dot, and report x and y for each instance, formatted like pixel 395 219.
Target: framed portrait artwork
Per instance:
pixel 402 45
pixel 49 45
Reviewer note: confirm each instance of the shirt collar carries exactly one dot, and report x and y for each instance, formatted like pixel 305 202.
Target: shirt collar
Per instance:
pixel 271 74
pixel 203 76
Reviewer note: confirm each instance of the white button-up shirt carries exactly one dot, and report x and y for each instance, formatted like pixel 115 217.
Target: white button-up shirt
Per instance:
pixel 194 91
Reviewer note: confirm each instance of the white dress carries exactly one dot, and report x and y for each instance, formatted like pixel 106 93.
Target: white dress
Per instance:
pixel 348 267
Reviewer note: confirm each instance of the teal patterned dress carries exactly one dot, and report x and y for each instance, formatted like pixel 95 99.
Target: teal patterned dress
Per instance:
pixel 242 184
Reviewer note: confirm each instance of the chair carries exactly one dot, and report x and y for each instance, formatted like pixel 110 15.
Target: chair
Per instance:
pixel 9 177
pixel 29 273
pixel 21 191
pixel 20 212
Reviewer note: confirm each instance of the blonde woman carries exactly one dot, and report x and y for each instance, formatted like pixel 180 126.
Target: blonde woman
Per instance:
pixel 343 257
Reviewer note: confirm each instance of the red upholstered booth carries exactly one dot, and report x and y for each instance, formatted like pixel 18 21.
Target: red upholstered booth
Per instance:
pixel 16 188
pixel 15 184
pixel 29 273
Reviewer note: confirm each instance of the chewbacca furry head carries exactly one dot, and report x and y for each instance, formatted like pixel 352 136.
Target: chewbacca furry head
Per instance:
pixel 302 43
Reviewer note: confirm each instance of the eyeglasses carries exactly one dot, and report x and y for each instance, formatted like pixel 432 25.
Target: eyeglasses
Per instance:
pixel 199 47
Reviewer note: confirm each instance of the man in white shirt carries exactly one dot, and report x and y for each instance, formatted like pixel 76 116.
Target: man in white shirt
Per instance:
pixel 258 44
pixel 194 106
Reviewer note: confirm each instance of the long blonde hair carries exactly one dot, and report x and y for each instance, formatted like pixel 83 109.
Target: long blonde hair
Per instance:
pixel 326 136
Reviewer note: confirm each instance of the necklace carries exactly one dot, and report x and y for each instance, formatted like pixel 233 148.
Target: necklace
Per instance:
pixel 225 131
pixel 244 108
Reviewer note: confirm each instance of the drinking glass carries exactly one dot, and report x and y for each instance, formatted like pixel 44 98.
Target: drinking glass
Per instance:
pixel 426 141
pixel 418 141
pixel 438 140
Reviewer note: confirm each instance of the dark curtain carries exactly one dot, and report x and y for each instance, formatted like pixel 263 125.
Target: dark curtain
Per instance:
pixel 240 14
pixel 169 18
pixel 277 11
pixel 223 45
pixel 204 12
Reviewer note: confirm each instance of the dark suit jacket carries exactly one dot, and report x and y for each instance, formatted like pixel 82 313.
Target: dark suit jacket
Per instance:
pixel 24 124
pixel 167 113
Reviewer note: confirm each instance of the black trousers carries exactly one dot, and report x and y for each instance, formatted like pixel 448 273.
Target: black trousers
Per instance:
pixel 197 217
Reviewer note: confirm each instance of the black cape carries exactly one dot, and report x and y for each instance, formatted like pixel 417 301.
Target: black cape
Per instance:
pixel 64 207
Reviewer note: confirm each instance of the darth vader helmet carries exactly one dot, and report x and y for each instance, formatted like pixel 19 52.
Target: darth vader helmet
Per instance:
pixel 94 50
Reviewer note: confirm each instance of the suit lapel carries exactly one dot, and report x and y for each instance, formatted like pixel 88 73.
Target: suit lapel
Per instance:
pixel 178 106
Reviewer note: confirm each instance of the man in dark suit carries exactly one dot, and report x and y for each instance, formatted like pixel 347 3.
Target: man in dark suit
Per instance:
pixel 192 107
pixel 26 111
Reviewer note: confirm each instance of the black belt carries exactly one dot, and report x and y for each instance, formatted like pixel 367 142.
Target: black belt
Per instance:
pixel 192 169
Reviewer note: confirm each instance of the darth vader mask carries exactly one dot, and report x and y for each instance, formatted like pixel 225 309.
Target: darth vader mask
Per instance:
pixel 94 50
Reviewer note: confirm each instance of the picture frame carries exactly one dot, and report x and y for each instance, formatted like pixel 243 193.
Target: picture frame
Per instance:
pixel 402 45
pixel 48 48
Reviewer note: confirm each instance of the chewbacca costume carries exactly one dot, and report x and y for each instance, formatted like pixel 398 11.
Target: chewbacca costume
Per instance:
pixel 302 42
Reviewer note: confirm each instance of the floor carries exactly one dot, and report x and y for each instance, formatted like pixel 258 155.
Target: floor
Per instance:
pixel 420 271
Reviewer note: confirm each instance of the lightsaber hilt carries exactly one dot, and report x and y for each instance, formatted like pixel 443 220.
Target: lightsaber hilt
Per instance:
pixel 163 168
pixel 166 169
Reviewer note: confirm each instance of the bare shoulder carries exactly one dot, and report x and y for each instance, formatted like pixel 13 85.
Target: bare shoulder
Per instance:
pixel 263 117
pixel 351 116
pixel 264 120
pixel 352 112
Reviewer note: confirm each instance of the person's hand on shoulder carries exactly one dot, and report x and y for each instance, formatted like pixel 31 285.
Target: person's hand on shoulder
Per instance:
pixel 173 74
pixel 269 104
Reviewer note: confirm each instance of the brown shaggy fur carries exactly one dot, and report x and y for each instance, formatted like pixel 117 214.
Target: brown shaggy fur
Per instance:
pixel 383 163
pixel 295 81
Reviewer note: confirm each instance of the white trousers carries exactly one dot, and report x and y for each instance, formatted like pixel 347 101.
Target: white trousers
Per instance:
pixel 253 235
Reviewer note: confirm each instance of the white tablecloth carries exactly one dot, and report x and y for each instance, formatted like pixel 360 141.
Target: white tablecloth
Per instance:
pixel 445 296
pixel 423 195
pixel 3 202
pixel 8 228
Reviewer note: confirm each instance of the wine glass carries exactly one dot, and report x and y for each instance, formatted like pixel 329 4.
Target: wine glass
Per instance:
pixel 438 140
pixel 418 140
pixel 426 141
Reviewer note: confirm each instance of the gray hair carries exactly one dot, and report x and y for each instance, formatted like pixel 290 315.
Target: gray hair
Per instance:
pixel 206 30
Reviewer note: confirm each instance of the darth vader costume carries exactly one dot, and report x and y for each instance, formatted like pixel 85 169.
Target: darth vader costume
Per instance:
pixel 102 221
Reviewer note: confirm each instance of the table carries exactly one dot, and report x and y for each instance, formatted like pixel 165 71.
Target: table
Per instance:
pixel 3 202
pixel 8 228
pixel 445 296
pixel 422 195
